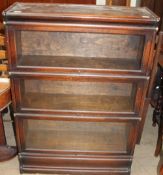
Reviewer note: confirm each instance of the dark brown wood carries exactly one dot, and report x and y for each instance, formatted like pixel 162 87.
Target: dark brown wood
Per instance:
pixel 3 6
pixel 86 136
pixel 79 80
pixel 76 65
pixel 148 3
pixel 94 95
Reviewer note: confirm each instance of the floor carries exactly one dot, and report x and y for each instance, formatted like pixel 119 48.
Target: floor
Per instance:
pixel 144 161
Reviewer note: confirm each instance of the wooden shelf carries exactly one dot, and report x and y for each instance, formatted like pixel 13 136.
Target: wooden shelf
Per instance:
pixel 83 136
pixel 79 62
pixel 78 102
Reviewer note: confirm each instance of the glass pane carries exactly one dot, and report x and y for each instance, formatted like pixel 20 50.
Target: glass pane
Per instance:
pixel 79 96
pixel 79 50
pixel 73 135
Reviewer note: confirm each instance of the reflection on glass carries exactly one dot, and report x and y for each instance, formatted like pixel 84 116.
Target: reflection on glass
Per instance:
pixel 79 50
pixel 73 135
pixel 77 96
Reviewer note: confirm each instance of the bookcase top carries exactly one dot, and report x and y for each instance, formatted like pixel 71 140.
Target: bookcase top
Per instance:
pixel 74 12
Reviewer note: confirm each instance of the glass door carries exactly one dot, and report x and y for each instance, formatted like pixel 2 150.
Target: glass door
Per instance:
pixel 78 96
pixel 79 50
pixel 74 136
pixel 70 50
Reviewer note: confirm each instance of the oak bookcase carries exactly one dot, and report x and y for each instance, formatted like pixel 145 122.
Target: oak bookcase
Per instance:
pixel 80 80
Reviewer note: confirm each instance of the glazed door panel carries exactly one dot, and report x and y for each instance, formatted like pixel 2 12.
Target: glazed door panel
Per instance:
pixel 80 50
pixel 52 51
pixel 72 95
pixel 75 136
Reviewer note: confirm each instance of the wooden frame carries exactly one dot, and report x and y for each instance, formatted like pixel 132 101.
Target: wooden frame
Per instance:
pixel 140 83
pixel 78 32
pixel 98 160
pixel 146 33
pixel 54 118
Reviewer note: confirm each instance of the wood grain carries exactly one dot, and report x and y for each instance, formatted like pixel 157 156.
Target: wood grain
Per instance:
pixel 84 136
pixel 77 88
pixel 78 62
pixel 77 102
pixel 81 45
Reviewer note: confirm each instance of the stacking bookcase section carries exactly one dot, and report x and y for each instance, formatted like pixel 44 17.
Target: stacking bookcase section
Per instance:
pixel 79 94
pixel 73 135
pixel 80 80
pixel 68 142
pixel 74 51
pixel 78 39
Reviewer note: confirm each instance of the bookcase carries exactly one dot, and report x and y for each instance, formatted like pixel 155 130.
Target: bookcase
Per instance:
pixel 80 82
